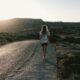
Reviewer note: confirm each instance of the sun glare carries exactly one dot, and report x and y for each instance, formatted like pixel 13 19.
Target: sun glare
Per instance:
pixel 5 18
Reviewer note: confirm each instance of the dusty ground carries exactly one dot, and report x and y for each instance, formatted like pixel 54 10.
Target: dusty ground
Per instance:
pixel 23 61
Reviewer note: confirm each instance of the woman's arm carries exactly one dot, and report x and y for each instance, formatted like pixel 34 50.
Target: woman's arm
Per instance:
pixel 49 36
pixel 40 35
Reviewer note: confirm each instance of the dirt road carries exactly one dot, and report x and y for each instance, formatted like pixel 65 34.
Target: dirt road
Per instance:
pixel 23 61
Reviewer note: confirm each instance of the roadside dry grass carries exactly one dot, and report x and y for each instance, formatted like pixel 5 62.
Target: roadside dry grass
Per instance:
pixel 68 60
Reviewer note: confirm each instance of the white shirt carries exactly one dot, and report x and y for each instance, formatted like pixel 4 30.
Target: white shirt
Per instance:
pixel 44 38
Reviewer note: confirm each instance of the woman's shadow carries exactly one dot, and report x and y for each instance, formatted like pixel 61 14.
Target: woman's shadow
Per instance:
pixel 50 62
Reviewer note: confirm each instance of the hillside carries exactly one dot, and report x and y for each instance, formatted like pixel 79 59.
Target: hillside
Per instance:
pixel 18 29
pixel 20 24
pixel 28 24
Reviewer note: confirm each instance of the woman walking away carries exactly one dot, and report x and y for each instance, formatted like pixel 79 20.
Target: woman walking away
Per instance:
pixel 44 39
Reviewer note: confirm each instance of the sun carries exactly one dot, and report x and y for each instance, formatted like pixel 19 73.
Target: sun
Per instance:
pixel 5 18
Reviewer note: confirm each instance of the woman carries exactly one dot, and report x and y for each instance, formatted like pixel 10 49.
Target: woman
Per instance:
pixel 44 39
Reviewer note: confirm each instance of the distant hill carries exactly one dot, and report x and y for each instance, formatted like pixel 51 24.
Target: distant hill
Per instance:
pixel 18 29
pixel 27 24
pixel 20 25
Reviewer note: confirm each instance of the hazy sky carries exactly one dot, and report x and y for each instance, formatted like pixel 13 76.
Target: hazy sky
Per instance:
pixel 48 10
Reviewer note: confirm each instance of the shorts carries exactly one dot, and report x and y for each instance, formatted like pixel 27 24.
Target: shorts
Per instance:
pixel 44 44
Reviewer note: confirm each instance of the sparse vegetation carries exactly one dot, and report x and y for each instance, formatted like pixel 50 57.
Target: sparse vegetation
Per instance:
pixel 21 28
pixel 68 58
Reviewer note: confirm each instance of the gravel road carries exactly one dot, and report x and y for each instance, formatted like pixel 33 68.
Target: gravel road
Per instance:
pixel 23 61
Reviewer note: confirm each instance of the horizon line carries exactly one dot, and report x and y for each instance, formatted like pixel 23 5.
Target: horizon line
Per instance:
pixel 39 18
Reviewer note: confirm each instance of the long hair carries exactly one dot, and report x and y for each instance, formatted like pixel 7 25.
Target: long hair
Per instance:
pixel 46 28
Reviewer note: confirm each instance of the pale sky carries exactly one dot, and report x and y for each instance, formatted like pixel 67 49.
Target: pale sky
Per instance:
pixel 48 10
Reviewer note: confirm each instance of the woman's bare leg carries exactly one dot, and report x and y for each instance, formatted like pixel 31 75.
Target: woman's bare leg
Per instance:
pixel 44 51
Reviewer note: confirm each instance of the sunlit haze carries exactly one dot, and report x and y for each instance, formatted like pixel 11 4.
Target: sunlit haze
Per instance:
pixel 48 10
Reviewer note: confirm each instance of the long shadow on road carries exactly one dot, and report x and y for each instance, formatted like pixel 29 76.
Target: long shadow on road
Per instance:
pixel 45 70
pixel 50 62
